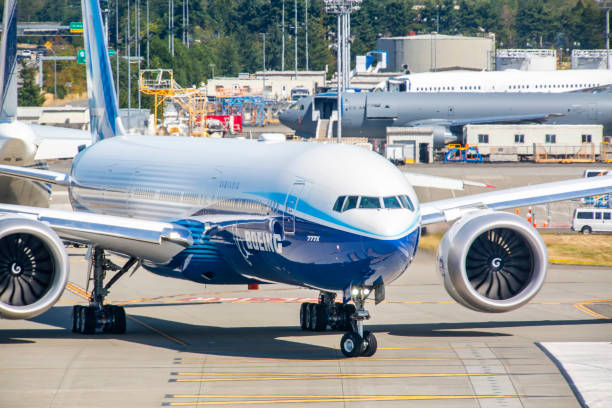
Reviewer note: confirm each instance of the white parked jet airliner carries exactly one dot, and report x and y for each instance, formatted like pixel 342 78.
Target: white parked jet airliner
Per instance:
pixel 499 81
pixel 23 143
pixel 333 218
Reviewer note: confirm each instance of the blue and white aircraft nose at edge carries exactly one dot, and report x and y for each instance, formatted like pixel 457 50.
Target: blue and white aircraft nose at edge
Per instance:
pixel 330 217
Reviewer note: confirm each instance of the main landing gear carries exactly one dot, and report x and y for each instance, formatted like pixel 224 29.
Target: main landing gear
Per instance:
pixel 107 318
pixel 327 313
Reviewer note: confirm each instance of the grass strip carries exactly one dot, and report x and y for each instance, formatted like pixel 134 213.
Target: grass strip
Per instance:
pixel 568 249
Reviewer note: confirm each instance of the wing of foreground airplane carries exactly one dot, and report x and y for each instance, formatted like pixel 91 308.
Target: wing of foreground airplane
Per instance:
pixel 153 240
pixel 454 208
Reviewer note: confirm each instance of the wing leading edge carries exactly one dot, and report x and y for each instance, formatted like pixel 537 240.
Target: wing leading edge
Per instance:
pixel 454 208
pixel 156 241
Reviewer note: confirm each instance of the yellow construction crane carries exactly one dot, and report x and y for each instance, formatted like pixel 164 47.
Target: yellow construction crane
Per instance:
pixel 160 83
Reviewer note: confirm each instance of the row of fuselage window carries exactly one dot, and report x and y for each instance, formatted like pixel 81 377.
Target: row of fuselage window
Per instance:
pixel 513 87
pixel 345 203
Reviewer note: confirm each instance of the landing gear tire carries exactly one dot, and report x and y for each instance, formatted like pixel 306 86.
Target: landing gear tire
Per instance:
pixel 88 320
pixel 370 344
pixel 303 321
pixel 319 317
pixel 118 319
pixel 76 313
pixel 308 315
pixel 352 344
pixel 348 311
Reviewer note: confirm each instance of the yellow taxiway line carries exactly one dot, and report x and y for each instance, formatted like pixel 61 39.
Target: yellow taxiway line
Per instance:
pixel 314 376
pixel 301 399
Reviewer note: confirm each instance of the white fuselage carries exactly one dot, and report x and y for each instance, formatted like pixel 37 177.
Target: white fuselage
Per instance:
pixel 500 81
pixel 264 211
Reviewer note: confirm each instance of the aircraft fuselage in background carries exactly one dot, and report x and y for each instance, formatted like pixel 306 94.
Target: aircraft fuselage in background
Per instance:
pixel 369 114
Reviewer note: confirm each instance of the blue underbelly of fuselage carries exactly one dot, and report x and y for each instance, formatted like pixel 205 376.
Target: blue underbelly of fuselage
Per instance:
pixel 299 252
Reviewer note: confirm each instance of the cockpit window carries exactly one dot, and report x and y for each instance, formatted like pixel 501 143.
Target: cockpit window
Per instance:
pixel 345 203
pixel 338 204
pixel 391 202
pixel 406 202
pixel 369 202
pixel 350 203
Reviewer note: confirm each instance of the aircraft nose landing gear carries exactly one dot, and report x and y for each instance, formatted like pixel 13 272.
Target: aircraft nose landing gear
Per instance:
pixel 337 316
pixel 358 342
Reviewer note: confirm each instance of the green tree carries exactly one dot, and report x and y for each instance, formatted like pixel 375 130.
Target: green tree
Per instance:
pixel 29 94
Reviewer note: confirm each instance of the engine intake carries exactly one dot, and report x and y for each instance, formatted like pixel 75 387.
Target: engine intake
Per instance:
pixel 33 267
pixel 492 261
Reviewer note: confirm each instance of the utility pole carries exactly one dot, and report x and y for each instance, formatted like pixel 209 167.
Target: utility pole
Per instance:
pixel 148 38
pixel 607 5
pixel 117 45
pixel 129 53
pixel 295 20
pixel 306 28
pixel 187 29
pixel 263 92
pixel 283 39
pixel 138 48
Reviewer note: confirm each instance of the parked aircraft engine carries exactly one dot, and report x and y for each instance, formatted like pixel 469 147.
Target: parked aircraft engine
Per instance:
pixel 443 136
pixel 33 267
pixel 492 261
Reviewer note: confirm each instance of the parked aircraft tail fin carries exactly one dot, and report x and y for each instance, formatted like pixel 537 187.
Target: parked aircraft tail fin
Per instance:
pixel 8 63
pixel 105 121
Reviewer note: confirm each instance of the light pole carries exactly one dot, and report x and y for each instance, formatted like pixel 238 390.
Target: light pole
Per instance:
pixel 263 92
pixel 607 5
pixel 212 67
pixel 306 28
pixel 117 45
pixel 296 37
pixel 342 8
pixel 283 39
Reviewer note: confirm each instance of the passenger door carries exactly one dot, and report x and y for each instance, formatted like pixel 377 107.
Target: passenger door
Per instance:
pixel 291 202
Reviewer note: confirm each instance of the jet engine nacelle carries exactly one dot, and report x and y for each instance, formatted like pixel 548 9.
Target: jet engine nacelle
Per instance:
pixel 492 261
pixel 33 267
pixel 442 136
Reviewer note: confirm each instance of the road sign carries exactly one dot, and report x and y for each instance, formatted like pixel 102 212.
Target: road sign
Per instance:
pixel 76 27
pixel 48 45
pixel 111 53
pixel 81 56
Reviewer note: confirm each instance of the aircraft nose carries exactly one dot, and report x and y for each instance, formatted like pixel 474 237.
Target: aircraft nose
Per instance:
pixel 284 118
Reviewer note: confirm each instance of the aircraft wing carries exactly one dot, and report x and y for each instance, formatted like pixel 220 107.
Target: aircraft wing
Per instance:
pixel 454 208
pixel 425 180
pixel 538 117
pixel 44 176
pixel 152 240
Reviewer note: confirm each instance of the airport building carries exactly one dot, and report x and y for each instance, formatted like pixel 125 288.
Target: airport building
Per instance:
pixel 436 52
pixel 526 60
pixel 590 59
pixel 534 142
pixel 76 117
pixel 277 84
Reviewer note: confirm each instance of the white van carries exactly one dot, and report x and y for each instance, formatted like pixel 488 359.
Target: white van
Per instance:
pixel 587 220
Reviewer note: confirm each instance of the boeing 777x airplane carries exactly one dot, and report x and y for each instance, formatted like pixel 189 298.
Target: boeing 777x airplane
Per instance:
pixel 330 217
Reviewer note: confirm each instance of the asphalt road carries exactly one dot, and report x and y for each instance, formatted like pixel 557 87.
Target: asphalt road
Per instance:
pixel 193 345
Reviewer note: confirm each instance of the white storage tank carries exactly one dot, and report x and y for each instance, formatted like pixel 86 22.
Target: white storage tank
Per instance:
pixel 436 52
